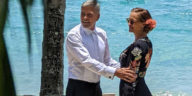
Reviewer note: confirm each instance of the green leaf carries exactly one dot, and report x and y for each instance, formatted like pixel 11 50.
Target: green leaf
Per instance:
pixel 24 5
pixel 6 80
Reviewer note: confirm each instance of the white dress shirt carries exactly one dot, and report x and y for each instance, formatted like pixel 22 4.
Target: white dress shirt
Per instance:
pixel 88 55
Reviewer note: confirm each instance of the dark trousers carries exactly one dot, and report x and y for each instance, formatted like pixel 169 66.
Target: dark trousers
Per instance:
pixel 83 88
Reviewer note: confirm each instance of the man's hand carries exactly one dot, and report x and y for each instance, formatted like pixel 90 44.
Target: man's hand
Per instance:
pixel 126 74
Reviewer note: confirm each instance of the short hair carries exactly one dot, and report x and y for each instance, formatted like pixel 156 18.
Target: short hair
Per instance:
pixel 93 3
pixel 143 16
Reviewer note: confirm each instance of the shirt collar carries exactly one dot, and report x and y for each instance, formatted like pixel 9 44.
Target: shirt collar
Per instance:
pixel 87 31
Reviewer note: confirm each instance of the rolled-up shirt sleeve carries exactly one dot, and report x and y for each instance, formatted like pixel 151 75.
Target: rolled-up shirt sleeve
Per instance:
pixel 75 46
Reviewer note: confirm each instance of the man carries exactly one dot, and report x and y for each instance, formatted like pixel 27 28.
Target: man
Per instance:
pixel 89 57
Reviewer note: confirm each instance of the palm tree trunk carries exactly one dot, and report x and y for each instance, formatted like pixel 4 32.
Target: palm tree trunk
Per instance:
pixel 53 39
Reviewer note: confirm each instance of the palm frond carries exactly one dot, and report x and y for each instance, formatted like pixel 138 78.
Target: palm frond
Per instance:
pixel 6 80
pixel 24 5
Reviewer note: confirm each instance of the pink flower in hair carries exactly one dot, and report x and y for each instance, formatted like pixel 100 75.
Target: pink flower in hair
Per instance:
pixel 151 23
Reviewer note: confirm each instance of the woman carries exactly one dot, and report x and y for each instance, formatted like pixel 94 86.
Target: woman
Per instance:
pixel 137 56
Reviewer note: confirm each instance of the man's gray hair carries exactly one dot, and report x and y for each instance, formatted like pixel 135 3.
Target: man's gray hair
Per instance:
pixel 93 3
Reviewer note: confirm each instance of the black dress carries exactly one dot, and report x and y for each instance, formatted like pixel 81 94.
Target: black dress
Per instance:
pixel 136 56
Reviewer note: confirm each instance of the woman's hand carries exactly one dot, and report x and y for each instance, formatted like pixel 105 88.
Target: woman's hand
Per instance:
pixel 126 74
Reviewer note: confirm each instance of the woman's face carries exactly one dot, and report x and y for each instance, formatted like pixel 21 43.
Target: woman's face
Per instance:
pixel 134 24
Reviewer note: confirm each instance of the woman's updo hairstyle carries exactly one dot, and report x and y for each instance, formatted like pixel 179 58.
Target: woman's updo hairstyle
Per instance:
pixel 144 16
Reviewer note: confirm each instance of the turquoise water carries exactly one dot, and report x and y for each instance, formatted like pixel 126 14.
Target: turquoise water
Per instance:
pixel 170 71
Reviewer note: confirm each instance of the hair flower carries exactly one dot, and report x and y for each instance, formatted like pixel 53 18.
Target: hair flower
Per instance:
pixel 151 23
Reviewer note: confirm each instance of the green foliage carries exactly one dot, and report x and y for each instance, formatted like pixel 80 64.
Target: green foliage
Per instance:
pixel 6 79
pixel 24 6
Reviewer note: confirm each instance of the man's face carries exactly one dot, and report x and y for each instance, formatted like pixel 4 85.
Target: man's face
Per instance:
pixel 89 16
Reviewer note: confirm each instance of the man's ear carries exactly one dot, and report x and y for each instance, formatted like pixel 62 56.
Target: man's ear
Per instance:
pixel 98 16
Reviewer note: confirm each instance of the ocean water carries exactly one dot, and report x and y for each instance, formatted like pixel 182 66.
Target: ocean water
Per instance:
pixel 169 73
